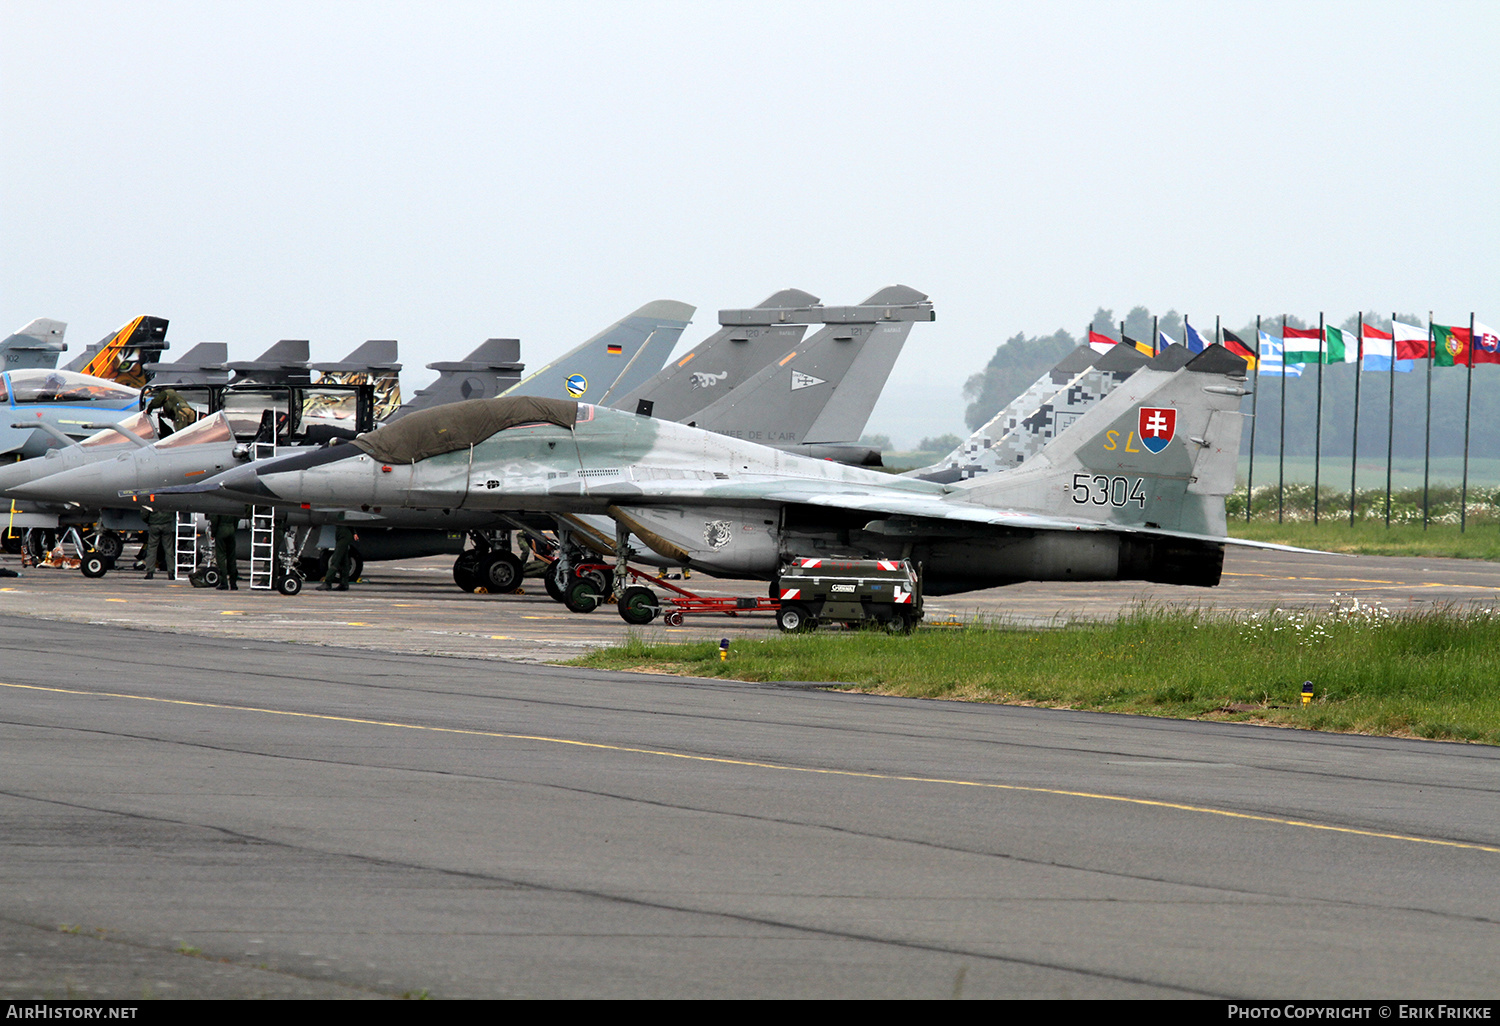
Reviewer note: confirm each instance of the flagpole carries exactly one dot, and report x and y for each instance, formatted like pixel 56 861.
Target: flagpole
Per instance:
pixel 1254 403
pixel 1463 500
pixel 1281 453
pixel 1318 423
pixel 1359 370
pixel 1390 427
pixel 1154 335
pixel 1427 443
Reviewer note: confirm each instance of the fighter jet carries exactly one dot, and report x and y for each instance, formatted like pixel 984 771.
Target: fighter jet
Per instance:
pixel 1133 491
pixel 41 408
pixel 38 344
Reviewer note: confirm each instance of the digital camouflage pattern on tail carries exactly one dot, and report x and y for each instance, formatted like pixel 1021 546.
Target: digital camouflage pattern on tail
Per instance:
pixel 1049 407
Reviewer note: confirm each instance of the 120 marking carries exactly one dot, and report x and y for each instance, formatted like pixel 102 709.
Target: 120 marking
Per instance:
pixel 1100 490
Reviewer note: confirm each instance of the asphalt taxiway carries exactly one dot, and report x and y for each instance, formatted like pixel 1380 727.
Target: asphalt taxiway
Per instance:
pixel 413 606
pixel 194 807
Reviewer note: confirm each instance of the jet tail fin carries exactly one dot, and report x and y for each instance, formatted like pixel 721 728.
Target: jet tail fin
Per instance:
pixel 373 363
pixel 823 391
pixel 285 363
pixel 37 345
pixel 614 362
pixel 494 366
pixel 747 341
pixel 204 364
pixel 125 355
pixel 1160 452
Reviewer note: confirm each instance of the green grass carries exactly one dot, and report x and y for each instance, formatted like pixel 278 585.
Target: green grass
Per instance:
pixel 1369 535
pixel 1429 674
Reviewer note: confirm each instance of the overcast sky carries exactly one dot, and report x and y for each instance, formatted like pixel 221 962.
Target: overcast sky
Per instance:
pixel 440 173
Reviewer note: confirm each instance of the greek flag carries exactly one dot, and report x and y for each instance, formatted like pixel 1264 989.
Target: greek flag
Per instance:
pixel 1270 358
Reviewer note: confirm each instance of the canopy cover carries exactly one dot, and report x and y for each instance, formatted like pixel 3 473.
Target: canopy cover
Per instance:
pixel 455 426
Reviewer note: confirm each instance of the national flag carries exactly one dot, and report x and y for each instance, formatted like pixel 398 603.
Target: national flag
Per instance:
pixel 1100 343
pixel 1411 341
pixel 1450 346
pixel 1486 347
pixel 1236 345
pixel 1162 342
pixel 1380 350
pixel 1270 358
pixel 1141 347
pixel 1342 347
pixel 614 348
pixel 1295 347
pixel 1194 341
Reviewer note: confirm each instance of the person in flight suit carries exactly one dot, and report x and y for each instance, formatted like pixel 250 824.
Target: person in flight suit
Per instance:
pixel 339 563
pixel 225 526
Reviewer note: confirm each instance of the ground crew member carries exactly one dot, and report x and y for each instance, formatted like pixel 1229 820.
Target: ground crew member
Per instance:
pixel 160 524
pixel 174 406
pixel 340 563
pixel 225 527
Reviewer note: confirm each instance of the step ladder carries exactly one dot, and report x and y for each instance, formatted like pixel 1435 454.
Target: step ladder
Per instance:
pixel 185 551
pixel 262 533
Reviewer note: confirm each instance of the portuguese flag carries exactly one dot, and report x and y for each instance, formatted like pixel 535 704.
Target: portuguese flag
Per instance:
pixel 1450 346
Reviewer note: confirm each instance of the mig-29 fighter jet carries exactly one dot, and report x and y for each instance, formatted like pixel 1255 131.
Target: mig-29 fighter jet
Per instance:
pixel 1133 491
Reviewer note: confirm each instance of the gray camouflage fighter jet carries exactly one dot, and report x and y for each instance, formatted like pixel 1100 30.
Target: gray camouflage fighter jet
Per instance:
pixel 1133 491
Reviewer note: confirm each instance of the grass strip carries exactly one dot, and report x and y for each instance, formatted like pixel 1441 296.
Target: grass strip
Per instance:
pixel 1430 674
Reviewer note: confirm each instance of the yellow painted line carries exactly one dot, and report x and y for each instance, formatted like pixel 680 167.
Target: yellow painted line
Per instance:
pixel 354 623
pixel 231 612
pixel 787 357
pixel 783 767
pixel 117 600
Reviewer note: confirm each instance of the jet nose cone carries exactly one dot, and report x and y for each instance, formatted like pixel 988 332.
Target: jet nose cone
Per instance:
pixel 88 486
pixel 243 481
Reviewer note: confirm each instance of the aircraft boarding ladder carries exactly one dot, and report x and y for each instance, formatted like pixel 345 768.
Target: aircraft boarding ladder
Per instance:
pixel 262 532
pixel 185 550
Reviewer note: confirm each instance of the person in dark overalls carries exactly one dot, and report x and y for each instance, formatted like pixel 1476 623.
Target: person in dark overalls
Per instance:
pixel 225 527
pixel 161 535
pixel 339 563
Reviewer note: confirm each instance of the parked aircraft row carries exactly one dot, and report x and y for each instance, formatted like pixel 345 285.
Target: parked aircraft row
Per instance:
pixel 755 377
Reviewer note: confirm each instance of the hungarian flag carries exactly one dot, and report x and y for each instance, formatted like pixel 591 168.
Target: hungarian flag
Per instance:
pixel 1411 341
pixel 1302 345
pixel 1486 344
pixel 1450 346
pixel 1380 352
pixel 1236 345
pixel 1100 343
pixel 1141 347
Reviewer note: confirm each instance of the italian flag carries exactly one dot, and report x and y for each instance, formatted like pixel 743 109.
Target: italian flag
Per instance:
pixel 1301 345
pixel 1343 347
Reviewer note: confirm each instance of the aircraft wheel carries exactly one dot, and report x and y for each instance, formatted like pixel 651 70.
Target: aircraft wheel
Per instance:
pixel 583 597
pixel 289 585
pixel 466 571
pixel 794 618
pixel 39 541
pixel 554 582
pixel 10 542
pixel 604 580
pixel 500 572
pixel 638 606
pixel 356 565
pixel 211 577
pixel 94 565
pixel 107 543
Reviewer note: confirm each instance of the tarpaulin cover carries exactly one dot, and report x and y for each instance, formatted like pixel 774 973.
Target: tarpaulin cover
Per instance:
pixel 455 426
